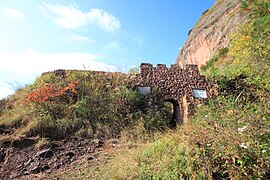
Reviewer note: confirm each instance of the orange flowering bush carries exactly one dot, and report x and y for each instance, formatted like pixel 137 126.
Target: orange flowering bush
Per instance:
pixel 49 92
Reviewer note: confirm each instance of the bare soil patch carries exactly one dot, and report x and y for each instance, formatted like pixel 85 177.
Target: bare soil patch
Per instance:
pixel 21 160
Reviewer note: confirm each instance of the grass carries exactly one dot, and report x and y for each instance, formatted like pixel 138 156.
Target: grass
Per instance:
pixel 227 138
pixel 210 146
pixel 248 53
pixel 83 103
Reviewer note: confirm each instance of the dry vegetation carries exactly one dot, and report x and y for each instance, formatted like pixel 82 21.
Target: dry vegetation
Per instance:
pixel 229 138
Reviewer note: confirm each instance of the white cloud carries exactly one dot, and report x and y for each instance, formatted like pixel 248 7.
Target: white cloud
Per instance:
pixel 13 14
pixel 79 38
pixel 65 16
pixel 114 46
pixel 31 61
pixel 26 66
pixel 104 20
pixel 70 17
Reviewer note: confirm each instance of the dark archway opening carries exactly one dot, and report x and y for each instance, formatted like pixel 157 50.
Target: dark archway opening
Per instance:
pixel 173 109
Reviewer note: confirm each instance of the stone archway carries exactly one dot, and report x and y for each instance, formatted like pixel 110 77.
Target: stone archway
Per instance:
pixel 176 115
pixel 184 88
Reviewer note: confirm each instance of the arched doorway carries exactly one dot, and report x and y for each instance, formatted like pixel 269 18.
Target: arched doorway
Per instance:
pixel 174 108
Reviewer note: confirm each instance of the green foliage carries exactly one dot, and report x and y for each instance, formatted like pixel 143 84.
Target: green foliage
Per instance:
pixel 240 151
pixel 258 8
pixel 228 138
pixel 222 52
pixel 155 119
pixel 169 157
pixel 2 103
pixel 209 63
pixel 209 67
pixel 248 54
pixel 212 146
pixel 189 31
pixel 244 4
pixel 85 103
pixel 205 11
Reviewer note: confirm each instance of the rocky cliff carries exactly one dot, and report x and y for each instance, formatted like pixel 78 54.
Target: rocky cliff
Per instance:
pixel 211 32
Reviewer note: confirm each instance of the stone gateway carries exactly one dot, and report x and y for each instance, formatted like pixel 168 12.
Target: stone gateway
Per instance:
pixel 184 88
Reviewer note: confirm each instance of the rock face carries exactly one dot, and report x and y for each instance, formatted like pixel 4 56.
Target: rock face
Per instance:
pixel 211 32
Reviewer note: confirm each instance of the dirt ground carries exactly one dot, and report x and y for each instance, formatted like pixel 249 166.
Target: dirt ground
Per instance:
pixel 22 160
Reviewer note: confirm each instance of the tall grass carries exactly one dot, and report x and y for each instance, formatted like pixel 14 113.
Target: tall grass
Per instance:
pixel 84 103
pixel 229 138
pixel 225 139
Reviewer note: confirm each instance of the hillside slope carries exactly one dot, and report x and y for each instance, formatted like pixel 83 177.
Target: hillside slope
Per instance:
pixel 93 125
pixel 211 32
pixel 228 138
pixel 65 116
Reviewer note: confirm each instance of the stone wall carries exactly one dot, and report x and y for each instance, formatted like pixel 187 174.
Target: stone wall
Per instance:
pixel 172 84
pixel 175 84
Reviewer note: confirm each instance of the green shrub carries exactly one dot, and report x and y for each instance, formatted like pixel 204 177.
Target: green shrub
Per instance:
pixel 81 102
pixel 209 63
pixel 248 53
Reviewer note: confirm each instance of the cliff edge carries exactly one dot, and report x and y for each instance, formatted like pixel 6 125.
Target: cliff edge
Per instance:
pixel 211 32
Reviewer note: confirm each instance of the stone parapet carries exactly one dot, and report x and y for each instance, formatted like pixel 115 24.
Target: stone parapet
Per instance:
pixel 175 83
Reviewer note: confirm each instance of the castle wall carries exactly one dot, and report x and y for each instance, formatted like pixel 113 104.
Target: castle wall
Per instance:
pixel 174 83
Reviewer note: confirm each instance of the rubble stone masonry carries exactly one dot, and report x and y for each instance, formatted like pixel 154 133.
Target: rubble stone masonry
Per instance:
pixel 175 85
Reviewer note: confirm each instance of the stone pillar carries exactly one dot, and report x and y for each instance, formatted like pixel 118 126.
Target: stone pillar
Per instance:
pixel 184 109
pixel 177 114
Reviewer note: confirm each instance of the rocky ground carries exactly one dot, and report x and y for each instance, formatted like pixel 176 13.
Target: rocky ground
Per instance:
pixel 22 160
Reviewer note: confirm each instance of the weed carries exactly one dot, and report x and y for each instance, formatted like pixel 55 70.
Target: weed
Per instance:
pixel 85 103
pixel 42 143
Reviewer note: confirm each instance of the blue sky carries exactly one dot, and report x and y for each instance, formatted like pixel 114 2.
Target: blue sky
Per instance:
pixel 110 35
